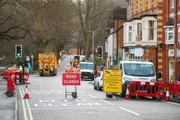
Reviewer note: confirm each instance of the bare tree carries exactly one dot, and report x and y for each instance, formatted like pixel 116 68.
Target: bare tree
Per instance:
pixel 93 17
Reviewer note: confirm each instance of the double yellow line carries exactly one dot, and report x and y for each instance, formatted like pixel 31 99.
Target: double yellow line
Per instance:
pixel 25 105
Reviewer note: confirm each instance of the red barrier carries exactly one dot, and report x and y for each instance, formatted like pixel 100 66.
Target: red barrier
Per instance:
pixel 18 76
pixel 147 89
pixel 174 88
pixel 7 74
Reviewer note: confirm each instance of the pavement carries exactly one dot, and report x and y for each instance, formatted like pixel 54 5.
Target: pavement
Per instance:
pixel 8 105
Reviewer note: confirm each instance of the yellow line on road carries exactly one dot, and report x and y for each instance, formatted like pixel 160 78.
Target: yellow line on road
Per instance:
pixel 29 108
pixel 23 104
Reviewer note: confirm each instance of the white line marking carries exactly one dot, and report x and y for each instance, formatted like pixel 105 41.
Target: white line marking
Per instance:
pixel 106 102
pixel 129 111
pixel 92 96
pixel 174 103
pixel 29 109
pixel 23 104
pixel 75 107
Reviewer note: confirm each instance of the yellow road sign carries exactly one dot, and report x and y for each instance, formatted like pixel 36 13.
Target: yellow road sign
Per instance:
pixel 112 81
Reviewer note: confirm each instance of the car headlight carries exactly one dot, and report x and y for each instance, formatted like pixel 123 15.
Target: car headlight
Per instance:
pixel 127 79
pixel 153 80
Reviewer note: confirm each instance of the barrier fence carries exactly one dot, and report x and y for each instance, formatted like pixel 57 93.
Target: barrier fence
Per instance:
pixel 147 89
pixel 174 88
pixel 12 77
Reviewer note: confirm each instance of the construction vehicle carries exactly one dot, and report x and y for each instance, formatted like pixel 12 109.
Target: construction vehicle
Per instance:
pixel 47 64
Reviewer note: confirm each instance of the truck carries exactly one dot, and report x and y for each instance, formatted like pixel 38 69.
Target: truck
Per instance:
pixel 137 71
pixel 47 64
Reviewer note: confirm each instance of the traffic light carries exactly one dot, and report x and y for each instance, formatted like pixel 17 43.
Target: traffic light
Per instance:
pixel 100 51
pixel 18 51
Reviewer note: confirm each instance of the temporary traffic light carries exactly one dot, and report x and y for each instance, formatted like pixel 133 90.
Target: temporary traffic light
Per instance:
pixel 18 51
pixel 100 51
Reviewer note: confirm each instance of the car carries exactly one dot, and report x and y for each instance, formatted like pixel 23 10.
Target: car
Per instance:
pixel 87 70
pixel 98 81
pixel 2 69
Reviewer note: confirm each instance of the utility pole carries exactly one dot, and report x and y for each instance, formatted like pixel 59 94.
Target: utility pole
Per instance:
pixel 93 44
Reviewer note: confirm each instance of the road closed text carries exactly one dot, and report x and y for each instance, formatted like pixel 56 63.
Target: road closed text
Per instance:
pixel 69 79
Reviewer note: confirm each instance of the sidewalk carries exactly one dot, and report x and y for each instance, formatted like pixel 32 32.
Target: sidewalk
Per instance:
pixel 8 109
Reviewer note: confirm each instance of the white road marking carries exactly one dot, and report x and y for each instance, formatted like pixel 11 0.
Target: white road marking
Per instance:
pixel 129 111
pixel 70 107
pixel 28 106
pixel 92 96
pixel 174 103
pixel 106 102
pixel 23 104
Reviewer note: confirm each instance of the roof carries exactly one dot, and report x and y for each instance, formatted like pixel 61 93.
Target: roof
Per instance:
pixel 141 62
pixel 86 62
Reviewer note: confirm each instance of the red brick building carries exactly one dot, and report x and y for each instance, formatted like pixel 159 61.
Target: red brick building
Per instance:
pixel 170 14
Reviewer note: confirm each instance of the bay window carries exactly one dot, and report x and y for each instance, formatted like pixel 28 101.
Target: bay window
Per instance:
pixel 151 30
pixel 139 32
pixel 130 33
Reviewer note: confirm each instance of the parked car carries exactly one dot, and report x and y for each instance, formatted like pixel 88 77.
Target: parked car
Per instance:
pixel 98 81
pixel 2 69
pixel 87 70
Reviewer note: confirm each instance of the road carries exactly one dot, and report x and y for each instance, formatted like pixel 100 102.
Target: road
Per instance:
pixel 47 102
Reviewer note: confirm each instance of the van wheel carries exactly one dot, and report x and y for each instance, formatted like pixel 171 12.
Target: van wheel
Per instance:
pixel 123 91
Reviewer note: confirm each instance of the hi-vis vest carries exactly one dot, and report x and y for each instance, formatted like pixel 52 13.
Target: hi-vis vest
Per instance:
pixel 20 68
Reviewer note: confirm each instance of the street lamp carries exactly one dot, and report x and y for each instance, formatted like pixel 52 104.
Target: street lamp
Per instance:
pixel 93 44
pixel 32 57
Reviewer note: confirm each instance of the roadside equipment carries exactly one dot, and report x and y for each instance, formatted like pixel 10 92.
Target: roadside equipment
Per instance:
pixel 127 96
pixel 18 77
pixel 71 79
pixel 112 83
pixel 167 96
pixel 10 87
pixel 146 89
pixel 47 64
pixel 26 95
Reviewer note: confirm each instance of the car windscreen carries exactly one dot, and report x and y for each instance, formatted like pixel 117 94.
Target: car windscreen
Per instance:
pixel 86 66
pixel 137 69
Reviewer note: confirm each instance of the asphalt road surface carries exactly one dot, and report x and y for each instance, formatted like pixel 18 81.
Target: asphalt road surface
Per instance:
pixel 47 102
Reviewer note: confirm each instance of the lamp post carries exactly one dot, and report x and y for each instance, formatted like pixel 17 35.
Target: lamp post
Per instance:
pixel 93 44
pixel 32 57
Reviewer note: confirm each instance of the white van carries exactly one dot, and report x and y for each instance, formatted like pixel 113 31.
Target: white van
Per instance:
pixel 136 71
pixel 87 70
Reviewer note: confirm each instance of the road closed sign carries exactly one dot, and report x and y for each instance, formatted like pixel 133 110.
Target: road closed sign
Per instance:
pixel 71 79
pixel 112 81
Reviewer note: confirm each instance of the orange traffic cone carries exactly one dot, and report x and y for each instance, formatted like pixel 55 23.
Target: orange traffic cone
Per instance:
pixel 127 96
pixel 26 95
pixel 167 96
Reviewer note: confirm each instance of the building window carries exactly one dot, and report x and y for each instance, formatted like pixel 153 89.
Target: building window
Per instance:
pixel 179 32
pixel 172 3
pixel 169 33
pixel 151 30
pixel 130 33
pixel 139 32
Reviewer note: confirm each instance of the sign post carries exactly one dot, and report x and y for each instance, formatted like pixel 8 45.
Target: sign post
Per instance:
pixel 71 79
pixel 32 57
